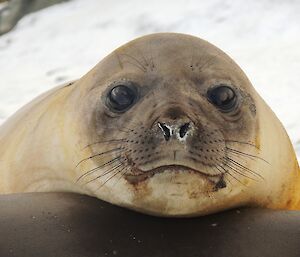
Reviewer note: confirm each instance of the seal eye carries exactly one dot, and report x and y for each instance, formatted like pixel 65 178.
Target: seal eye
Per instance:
pixel 120 98
pixel 223 97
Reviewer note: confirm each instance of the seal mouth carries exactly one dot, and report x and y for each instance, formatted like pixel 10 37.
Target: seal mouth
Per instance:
pixel 143 175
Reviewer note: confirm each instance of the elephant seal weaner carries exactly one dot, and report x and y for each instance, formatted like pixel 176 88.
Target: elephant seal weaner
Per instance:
pixel 167 124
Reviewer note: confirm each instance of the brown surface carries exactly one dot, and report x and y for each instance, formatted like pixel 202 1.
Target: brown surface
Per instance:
pixel 55 224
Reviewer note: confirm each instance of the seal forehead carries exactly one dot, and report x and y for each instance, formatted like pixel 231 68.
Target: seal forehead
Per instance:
pixel 170 44
pixel 168 55
pixel 171 50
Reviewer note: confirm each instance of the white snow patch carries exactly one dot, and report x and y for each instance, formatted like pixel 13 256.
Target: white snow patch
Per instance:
pixel 64 41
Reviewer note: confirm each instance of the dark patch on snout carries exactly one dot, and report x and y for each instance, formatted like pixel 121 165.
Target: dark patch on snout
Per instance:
pixel 174 113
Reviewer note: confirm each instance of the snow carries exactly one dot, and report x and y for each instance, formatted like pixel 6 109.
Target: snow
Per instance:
pixel 64 41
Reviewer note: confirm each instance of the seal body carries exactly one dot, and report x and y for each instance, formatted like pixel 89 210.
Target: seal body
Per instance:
pixel 167 124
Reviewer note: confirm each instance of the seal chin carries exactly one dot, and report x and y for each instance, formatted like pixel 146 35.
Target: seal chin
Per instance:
pixel 144 175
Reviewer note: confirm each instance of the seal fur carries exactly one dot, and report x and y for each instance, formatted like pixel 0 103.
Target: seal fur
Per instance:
pixel 69 139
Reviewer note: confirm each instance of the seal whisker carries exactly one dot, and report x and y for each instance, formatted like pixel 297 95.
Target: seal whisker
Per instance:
pixel 133 64
pixel 99 154
pixel 138 64
pixel 239 167
pixel 131 129
pixel 208 62
pixel 139 123
pixel 116 173
pixel 246 154
pixel 143 57
pixel 234 169
pixel 230 180
pixel 234 162
pixel 239 156
pixel 89 172
pixel 151 57
pixel 244 171
pixel 105 141
pixel 241 142
pixel 221 179
pixel 217 167
pixel 123 130
pixel 236 179
pixel 227 172
pixel 107 172
pixel 127 167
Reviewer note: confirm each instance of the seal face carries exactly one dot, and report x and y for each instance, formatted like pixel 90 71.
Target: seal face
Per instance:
pixel 177 122
pixel 167 124
pixel 173 136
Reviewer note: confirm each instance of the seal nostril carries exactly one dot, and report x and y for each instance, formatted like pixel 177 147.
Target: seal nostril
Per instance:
pixel 184 129
pixel 166 130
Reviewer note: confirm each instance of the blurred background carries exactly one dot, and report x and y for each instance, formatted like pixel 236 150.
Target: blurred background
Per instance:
pixel 46 43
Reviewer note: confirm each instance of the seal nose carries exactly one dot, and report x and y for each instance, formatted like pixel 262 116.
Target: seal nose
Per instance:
pixel 178 130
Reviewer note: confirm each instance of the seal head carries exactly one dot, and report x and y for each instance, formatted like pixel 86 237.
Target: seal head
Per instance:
pixel 175 126
pixel 168 125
